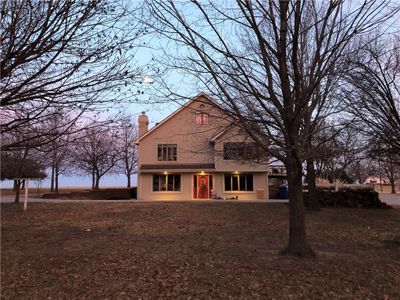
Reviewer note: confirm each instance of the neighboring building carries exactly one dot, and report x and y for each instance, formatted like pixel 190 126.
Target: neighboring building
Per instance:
pixel 382 184
pixel 376 180
pixel 197 153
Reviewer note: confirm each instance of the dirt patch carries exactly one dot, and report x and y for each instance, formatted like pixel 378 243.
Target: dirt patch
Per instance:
pixel 199 250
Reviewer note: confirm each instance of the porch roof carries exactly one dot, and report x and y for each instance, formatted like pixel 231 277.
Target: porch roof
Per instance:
pixel 178 167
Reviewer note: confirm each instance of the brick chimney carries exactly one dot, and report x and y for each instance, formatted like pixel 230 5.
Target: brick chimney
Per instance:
pixel 143 123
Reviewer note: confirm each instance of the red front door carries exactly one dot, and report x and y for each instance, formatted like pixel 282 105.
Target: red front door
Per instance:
pixel 203 187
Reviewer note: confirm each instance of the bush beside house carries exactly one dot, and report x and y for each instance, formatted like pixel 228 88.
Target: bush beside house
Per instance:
pixel 346 197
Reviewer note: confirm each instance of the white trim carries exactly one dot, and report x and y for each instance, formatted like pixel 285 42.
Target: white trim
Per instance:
pixel 239 192
pixel 176 192
pixel 166 192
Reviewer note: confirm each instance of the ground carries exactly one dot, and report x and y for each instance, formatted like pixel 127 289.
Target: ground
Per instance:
pixel 197 250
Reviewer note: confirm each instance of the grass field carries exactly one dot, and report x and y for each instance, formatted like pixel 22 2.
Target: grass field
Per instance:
pixel 33 190
pixel 197 250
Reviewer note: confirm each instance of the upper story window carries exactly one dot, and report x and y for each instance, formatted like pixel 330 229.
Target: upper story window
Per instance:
pixel 237 150
pixel 202 118
pixel 167 152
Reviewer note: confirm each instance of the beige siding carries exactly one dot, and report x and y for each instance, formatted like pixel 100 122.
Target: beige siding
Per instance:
pixel 146 185
pixel 192 140
pixel 195 145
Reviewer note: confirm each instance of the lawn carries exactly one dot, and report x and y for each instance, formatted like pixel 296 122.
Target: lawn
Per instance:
pixel 197 250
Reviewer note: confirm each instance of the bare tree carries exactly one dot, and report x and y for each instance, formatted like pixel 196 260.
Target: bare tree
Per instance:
pixel 60 159
pixel 388 161
pixel 391 169
pixel 318 139
pixel 373 93
pixel 70 55
pixel 343 148
pixel 20 164
pixel 127 148
pixel 58 152
pixel 96 153
pixel 263 61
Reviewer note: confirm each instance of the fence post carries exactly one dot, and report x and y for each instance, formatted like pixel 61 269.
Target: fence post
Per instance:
pixel 26 194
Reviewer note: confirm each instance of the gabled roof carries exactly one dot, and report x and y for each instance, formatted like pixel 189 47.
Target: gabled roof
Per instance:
pixel 176 112
pixel 221 133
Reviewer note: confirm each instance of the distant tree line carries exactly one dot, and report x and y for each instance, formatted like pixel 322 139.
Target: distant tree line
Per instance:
pixel 62 65
pixel 95 151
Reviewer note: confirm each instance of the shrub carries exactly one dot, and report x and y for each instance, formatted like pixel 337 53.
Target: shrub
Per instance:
pixel 346 197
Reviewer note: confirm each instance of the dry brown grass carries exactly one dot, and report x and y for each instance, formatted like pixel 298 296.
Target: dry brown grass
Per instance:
pixel 33 190
pixel 198 250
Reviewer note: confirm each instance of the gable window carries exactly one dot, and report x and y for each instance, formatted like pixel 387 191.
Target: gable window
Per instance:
pixel 238 182
pixel 167 152
pixel 166 183
pixel 237 150
pixel 201 119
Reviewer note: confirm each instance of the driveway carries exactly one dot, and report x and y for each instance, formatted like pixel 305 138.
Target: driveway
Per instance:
pixel 391 199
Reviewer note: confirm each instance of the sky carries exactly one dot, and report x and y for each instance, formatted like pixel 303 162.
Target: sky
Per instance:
pixel 156 113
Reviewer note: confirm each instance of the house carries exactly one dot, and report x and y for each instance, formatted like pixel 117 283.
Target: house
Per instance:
pixel 382 184
pixel 376 180
pixel 199 153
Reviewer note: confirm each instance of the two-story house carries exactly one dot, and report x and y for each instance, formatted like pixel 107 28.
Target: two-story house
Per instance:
pixel 199 153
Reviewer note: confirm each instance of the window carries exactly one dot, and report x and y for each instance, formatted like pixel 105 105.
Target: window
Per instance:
pixel 163 183
pixel 236 150
pixel 167 152
pixel 238 182
pixel 201 118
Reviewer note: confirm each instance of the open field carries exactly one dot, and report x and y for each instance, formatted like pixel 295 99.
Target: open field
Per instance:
pixel 201 250
pixel 34 191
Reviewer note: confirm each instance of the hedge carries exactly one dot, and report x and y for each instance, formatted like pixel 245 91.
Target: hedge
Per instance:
pixel 346 197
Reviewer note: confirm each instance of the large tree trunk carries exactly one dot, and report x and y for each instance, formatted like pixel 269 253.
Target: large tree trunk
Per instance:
pixel 393 185
pixel 392 179
pixel 128 176
pixel 93 179
pixel 17 191
pixel 313 203
pixel 52 179
pixel 97 184
pixel 56 180
pixel 298 243
pixel 15 186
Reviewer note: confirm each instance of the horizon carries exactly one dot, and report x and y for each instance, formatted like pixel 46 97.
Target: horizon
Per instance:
pixel 111 180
